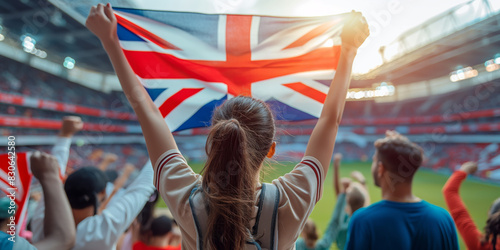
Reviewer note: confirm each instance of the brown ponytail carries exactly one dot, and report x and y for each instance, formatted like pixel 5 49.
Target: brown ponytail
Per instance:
pixel 241 135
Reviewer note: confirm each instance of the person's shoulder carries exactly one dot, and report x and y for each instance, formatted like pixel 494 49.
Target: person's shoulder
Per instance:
pixel 369 211
pixel 436 212
pixel 373 207
pixel 434 208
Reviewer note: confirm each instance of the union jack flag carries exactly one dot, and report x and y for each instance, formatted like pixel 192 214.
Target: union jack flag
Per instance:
pixel 190 63
pixel 15 182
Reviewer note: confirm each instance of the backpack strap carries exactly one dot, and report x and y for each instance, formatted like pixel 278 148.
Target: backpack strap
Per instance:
pixel 200 214
pixel 265 230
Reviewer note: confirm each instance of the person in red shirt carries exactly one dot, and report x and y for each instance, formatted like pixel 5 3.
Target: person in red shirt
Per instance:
pixel 160 236
pixel 472 236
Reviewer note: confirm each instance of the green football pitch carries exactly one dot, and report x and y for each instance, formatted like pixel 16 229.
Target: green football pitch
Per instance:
pixel 427 185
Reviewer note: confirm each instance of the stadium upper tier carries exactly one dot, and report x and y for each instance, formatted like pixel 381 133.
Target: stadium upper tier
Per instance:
pixel 39 100
pixel 467 34
pixel 21 79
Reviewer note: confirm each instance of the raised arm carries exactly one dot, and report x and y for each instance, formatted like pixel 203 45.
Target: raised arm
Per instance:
pixel 118 184
pixel 323 136
pixel 119 214
pixel 336 176
pixel 109 158
pixel 59 226
pixel 70 126
pixel 102 22
pixel 465 225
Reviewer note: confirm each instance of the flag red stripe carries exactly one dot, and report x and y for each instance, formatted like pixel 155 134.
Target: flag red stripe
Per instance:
pixel 237 75
pixel 238 50
pixel 24 172
pixel 176 99
pixel 238 37
pixel 136 29
pixel 307 91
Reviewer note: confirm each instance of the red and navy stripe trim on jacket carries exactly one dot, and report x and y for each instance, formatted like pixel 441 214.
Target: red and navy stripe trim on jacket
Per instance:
pixel 317 172
pixel 162 164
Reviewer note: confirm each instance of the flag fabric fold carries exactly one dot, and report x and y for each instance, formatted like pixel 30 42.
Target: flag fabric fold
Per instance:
pixel 15 182
pixel 190 63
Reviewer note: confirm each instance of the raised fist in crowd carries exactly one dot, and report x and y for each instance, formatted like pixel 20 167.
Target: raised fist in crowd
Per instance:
pixel 44 165
pixel 70 126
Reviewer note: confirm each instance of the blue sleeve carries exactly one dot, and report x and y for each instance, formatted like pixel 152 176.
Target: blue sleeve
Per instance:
pixel 331 231
pixel 453 233
pixel 358 236
pixel 299 244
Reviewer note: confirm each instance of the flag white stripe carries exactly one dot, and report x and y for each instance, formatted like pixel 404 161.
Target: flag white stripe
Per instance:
pixel 179 38
pixel 274 46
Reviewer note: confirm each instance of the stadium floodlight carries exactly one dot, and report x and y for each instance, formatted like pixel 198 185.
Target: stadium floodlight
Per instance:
pixel 492 64
pixel 28 43
pixel 69 62
pixel 41 53
pixel 383 89
pixel 497 60
pixel 29 46
pixel 462 74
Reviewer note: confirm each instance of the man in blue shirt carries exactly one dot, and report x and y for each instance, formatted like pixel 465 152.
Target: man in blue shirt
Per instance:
pixel 401 220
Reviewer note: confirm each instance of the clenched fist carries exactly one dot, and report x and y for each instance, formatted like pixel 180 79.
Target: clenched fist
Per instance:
pixel 44 165
pixel 70 126
pixel 102 22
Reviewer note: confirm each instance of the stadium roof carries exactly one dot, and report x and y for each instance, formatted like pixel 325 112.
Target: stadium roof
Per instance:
pixel 57 33
pixel 469 46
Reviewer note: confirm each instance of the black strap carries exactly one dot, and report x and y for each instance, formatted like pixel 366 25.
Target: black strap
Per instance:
pixel 259 210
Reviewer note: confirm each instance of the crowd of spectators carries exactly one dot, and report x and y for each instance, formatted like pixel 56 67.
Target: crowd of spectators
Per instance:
pixel 27 112
pixel 480 97
pixel 40 84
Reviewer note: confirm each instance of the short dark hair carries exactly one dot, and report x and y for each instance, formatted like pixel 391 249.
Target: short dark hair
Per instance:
pixel 399 156
pixel 83 185
pixel 161 225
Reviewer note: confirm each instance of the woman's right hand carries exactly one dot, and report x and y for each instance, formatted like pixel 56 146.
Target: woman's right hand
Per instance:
pixel 102 22
pixel 355 31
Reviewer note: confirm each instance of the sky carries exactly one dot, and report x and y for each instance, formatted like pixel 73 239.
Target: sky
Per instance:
pixel 388 19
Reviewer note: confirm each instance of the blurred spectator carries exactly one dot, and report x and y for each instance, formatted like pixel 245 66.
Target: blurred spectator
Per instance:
pixel 401 220
pixel 159 236
pixel 473 237
pixel 350 197
pixel 60 228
